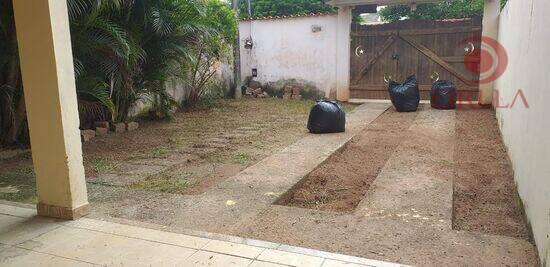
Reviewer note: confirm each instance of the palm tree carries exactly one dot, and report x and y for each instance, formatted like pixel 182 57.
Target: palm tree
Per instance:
pixel 124 51
pixel 97 41
pixel 134 46
pixel 12 104
pixel 166 30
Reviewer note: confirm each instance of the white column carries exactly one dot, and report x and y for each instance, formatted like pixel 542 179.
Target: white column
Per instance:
pixel 343 43
pixel 491 15
pixel 50 95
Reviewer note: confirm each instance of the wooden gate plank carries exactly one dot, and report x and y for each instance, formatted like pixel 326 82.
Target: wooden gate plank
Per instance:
pixel 377 55
pixel 427 46
pixel 433 56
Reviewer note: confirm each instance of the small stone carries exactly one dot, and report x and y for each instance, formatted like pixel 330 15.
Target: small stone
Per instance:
pixel 99 131
pixel 257 92
pixel 263 95
pixel 9 190
pixel 254 84
pixel 101 124
pixel 87 135
pixel 132 126
pixel 118 127
pixel 287 96
pixel 288 89
pixel 297 97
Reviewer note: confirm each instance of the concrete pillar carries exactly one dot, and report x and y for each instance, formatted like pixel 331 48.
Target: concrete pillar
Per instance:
pixel 50 95
pixel 343 53
pixel 491 14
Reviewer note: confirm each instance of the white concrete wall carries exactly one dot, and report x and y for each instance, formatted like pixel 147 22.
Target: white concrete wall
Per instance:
pixel 288 49
pixel 525 34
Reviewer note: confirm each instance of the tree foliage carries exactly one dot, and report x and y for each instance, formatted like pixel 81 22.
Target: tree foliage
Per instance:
pixel 444 10
pixel 264 8
pixel 124 51
pixel 211 50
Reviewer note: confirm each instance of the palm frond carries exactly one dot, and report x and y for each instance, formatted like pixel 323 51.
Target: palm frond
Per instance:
pixel 98 92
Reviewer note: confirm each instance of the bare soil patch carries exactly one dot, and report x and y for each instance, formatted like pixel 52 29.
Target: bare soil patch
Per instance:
pixel 485 198
pixel 342 181
pixel 416 234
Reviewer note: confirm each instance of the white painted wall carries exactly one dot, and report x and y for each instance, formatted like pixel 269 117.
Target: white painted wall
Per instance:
pixel 288 49
pixel 525 33
pixel 491 20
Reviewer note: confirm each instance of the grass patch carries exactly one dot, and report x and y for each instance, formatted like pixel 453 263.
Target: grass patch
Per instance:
pixel 159 152
pixel 243 158
pixel 164 182
pixel 102 165
pixel 18 185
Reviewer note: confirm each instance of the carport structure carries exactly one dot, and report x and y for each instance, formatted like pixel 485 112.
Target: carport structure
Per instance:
pixel 49 85
pixel 48 76
pixel 344 49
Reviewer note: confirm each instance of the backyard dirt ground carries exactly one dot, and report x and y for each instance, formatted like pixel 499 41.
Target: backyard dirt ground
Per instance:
pixel 197 149
pixel 484 191
pixel 485 197
pixel 401 219
pixel 431 188
pixel 342 182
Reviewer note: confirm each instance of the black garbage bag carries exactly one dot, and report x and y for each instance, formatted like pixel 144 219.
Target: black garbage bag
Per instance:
pixel 326 117
pixel 443 95
pixel 405 97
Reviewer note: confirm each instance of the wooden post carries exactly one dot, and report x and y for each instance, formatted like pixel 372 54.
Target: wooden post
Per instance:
pixel 237 54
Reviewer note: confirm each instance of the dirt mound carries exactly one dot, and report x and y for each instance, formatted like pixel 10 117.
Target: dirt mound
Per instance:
pixel 341 182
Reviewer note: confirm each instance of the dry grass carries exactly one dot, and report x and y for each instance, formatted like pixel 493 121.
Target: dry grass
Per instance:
pixel 253 128
pixel 164 183
pixel 18 185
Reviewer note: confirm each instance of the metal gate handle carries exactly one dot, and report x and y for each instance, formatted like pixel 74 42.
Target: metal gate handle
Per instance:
pixel 435 76
pixel 387 78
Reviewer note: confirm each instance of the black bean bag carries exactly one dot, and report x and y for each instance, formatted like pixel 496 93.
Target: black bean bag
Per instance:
pixel 406 96
pixel 443 95
pixel 326 117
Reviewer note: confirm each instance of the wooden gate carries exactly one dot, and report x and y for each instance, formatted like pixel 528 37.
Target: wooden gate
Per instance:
pixel 419 47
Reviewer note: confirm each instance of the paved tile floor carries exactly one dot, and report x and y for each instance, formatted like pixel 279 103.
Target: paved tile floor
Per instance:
pixel 29 240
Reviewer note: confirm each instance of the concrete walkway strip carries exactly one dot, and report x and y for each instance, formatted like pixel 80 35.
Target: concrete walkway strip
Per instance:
pixel 416 182
pixel 28 240
pixel 236 200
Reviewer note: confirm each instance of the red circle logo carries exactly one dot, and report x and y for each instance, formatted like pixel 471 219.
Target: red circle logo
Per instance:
pixel 494 59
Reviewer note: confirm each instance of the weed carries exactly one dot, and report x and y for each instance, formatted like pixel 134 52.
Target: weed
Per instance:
pixel 243 158
pixel 165 183
pixel 103 165
pixel 159 152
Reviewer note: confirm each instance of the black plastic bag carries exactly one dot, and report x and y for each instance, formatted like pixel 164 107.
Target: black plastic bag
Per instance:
pixel 326 117
pixel 443 95
pixel 405 97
